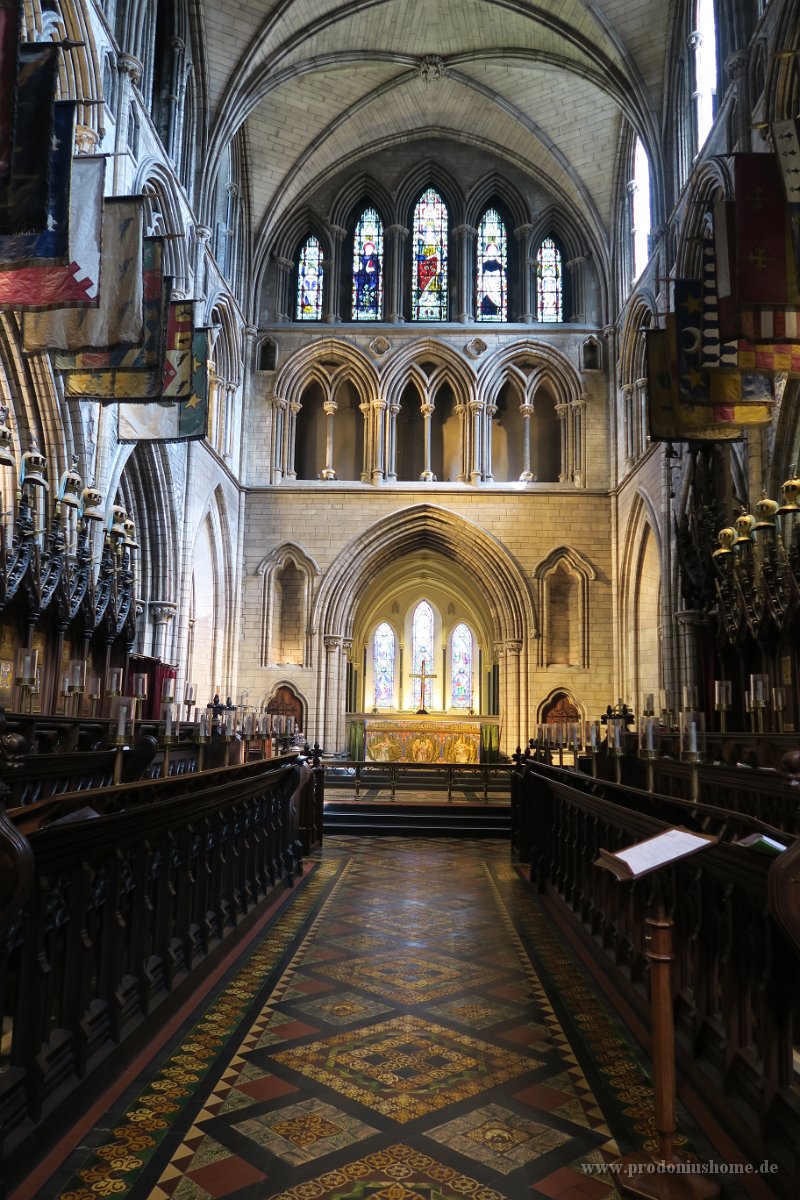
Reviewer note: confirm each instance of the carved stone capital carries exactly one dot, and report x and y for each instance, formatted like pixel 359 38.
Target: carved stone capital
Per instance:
pixel 332 644
pixel 338 231
pixel 514 648
pixel 398 231
pixel 162 611
pixel 736 64
pixel 285 264
pixel 130 66
pixel 86 139
pixel 465 231
pixel 202 233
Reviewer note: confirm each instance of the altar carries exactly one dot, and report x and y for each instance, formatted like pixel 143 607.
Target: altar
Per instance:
pixel 428 738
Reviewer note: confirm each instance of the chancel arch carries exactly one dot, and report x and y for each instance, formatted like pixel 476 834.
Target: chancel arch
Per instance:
pixel 495 580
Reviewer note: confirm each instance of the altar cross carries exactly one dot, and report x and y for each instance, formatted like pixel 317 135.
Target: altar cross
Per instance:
pixel 423 676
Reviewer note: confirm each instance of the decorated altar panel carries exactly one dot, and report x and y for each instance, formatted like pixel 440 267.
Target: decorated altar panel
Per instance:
pixel 422 739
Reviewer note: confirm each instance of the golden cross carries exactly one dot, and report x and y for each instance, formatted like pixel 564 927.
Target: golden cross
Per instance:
pixel 422 675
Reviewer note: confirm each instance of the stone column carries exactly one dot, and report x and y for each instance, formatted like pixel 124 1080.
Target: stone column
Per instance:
pixel 202 236
pixel 562 412
pixel 627 408
pixel 290 471
pixel 476 449
pixel 161 612
pixel 332 284
pixel 488 475
pixel 576 266
pixel 465 299
pixel 130 76
pixel 394 238
pixel 279 407
pixel 347 647
pixel 513 723
pixel 579 456
pixel 640 414
pixel 377 464
pixel 333 647
pixel 172 141
pixel 391 443
pixel 527 475
pixel 330 408
pixel 523 234
pixel 284 302
pixel 427 475
pixel 737 70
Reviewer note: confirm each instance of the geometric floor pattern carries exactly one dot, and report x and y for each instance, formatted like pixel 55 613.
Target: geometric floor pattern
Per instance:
pixel 409 1028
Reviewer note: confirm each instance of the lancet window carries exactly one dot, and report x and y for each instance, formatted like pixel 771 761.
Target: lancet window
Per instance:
pixel 383 656
pixel 367 285
pixel 422 650
pixel 549 282
pixel 492 297
pixel 461 667
pixel 309 281
pixel 429 282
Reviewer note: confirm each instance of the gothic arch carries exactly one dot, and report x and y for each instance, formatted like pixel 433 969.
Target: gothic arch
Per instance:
pixel 497 575
pixel 164 216
pixel 564 566
pixel 495 187
pixel 644 661
pixel 556 694
pixel 279 624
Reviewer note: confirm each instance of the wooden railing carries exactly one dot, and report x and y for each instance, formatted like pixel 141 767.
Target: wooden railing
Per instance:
pixel 737 940
pixel 108 923
pixel 358 776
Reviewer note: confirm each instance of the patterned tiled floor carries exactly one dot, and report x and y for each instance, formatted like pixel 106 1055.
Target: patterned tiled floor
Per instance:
pixel 395 1035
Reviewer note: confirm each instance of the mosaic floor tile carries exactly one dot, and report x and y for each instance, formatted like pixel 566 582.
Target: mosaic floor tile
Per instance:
pixel 344 1008
pixel 305 1131
pixel 475 1012
pixel 499 1138
pixel 396 1173
pixel 410 976
pixel 405 1067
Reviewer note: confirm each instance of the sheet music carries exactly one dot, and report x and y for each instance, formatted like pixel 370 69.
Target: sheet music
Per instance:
pixel 659 850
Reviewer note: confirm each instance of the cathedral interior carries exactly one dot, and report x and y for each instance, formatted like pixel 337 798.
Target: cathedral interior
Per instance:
pixel 508 293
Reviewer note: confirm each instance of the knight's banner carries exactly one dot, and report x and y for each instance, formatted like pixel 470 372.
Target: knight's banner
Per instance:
pixel 24 191
pixel 9 49
pixel 765 265
pixel 723 412
pixel 135 373
pixel 50 246
pixel 172 421
pixel 117 320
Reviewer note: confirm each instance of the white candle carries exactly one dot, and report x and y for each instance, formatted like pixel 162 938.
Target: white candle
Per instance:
pixel 692 737
pixel 593 735
pixel 650 736
pixel 121 719
pixel 168 721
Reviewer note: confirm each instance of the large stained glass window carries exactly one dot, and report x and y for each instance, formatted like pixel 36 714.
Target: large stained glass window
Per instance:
pixel 429 286
pixel 309 282
pixel 422 651
pixel 383 665
pixel 492 268
pixel 367 299
pixel 461 667
pixel 549 282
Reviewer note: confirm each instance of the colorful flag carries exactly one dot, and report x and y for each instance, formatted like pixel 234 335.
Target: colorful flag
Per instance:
pixel 24 192
pixel 77 282
pixel 722 417
pixel 177 379
pixel 50 246
pixel 135 373
pixel 117 320
pixel 769 357
pixel 9 48
pixel 172 422
pixel 714 352
pixel 692 379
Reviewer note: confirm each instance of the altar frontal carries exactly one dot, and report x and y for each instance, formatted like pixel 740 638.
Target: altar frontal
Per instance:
pixel 418 741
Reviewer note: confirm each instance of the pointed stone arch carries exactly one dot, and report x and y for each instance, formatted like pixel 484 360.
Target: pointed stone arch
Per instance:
pixel 645 656
pixel 497 575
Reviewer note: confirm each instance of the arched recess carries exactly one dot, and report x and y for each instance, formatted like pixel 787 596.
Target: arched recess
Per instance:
pixel 496 575
pixel 644 656
pixel 560 704
pixel 288 576
pixel 438 376
pixel 210 657
pixel 344 379
pixel 563 581
pixel 285 699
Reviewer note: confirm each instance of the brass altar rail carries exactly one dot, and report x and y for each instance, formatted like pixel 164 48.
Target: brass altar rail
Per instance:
pixel 433 777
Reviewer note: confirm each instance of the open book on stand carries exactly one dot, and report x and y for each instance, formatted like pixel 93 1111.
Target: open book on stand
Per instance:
pixel 655 852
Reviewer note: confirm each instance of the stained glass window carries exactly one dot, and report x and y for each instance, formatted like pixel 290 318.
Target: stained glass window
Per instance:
pixel 549 283
pixel 492 268
pixel 309 282
pixel 429 288
pixel 422 650
pixel 461 667
pixel 368 267
pixel 383 665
